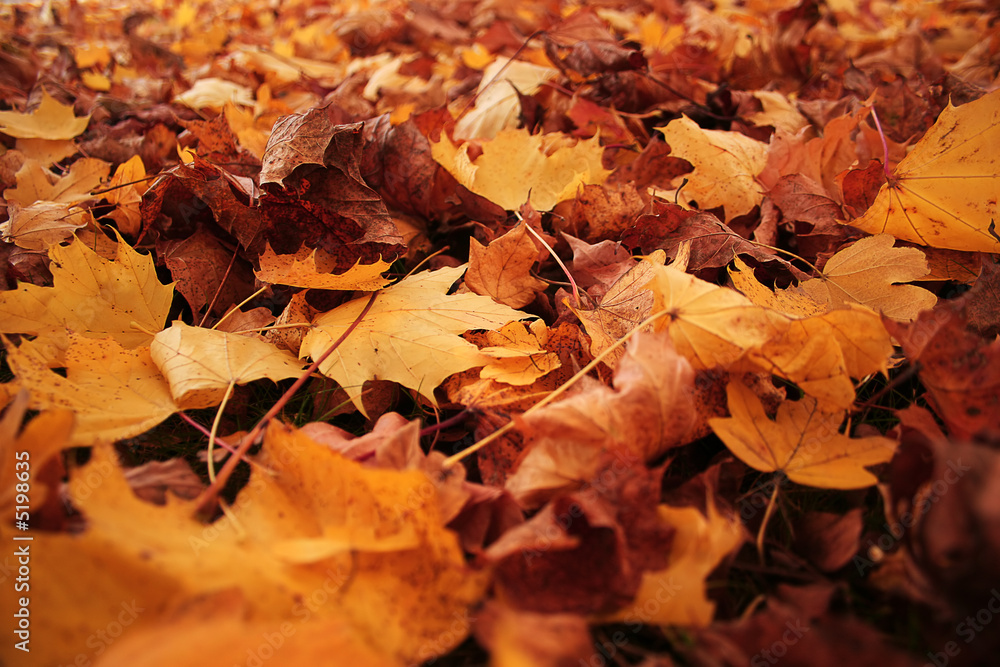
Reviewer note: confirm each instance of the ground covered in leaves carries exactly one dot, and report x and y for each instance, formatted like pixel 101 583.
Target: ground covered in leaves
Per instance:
pixel 535 333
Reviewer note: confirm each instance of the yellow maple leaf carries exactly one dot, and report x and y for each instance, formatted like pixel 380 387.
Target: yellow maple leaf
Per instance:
pixel 517 167
pixel 710 325
pixel 802 442
pixel 678 594
pixel 91 296
pixel 726 165
pixel 313 536
pixel 125 190
pixel 409 336
pixel 312 270
pixel 113 392
pixel 35 182
pixel 51 120
pixel 23 455
pixel 943 193
pixel 200 364
pixel 519 357
pixel 866 273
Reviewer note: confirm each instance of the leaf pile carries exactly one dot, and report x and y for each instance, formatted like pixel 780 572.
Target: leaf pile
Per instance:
pixel 523 333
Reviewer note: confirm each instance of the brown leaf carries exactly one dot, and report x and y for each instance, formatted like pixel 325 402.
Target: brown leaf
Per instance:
pixel 502 269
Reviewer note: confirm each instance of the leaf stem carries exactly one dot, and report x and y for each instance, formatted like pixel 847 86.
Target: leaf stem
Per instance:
pixel 562 389
pixel 885 145
pixel 209 496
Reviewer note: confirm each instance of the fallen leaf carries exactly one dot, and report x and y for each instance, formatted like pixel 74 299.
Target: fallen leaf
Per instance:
pixel 802 442
pixel 710 325
pixel 314 537
pixel 201 364
pixel 517 167
pixel 650 411
pixel 113 392
pixel 942 193
pixel 312 269
pixel 677 594
pixel 43 224
pixel 409 336
pixel 866 273
pixel 91 296
pixel 502 269
pixel 726 165
pixel 50 120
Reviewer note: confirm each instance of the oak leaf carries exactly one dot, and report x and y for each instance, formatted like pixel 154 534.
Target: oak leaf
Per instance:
pixel 51 120
pixel 410 335
pixel 201 364
pixel 802 442
pixel 726 165
pixel 943 193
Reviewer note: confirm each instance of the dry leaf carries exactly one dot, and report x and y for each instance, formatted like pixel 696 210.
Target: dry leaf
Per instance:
pixel 802 442
pixel 51 120
pixel 313 270
pixel 517 167
pixel 502 269
pixel 201 364
pixel 726 165
pixel 410 335
pixel 943 193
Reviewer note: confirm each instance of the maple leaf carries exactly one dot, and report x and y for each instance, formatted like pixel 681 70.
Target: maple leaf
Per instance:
pixel 35 182
pixel 201 364
pixel 312 269
pixel 309 520
pixel 802 442
pixel 125 190
pixel 726 165
pixel 650 410
pixel 40 440
pixel 625 305
pixel 518 351
pixel 702 539
pixel 113 392
pixel 502 269
pixel 497 103
pixel 43 224
pixel 865 273
pixel 91 296
pixel 943 193
pixel 517 167
pixel 51 120
pixel 710 325
pixel 409 336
